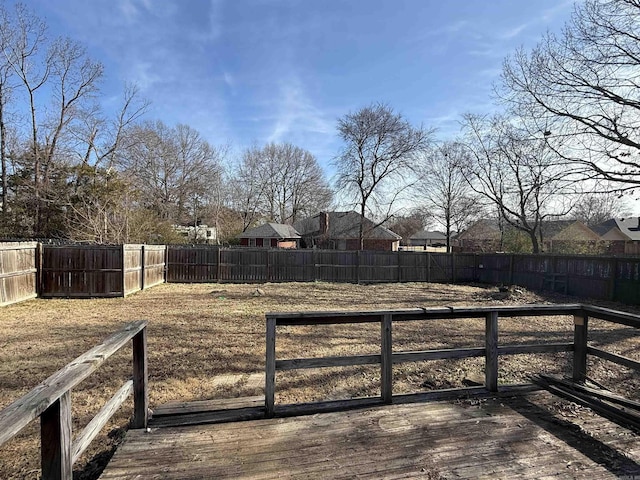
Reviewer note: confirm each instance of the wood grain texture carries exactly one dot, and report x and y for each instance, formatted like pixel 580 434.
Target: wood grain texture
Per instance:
pixel 270 368
pixel 491 353
pixel 55 440
pixel 27 408
pixel 140 381
pixel 386 361
pixel 92 429
pixel 503 438
pixel 580 333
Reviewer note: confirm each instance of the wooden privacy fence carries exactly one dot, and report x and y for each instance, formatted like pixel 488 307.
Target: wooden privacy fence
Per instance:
pixel 114 271
pixel 606 278
pixel 491 350
pixel 51 401
pixel 88 271
pixel 192 264
pixel 18 271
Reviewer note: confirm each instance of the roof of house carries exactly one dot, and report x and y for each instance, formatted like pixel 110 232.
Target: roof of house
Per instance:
pixel 428 235
pixel 271 230
pixel 344 225
pixel 482 230
pixel 629 226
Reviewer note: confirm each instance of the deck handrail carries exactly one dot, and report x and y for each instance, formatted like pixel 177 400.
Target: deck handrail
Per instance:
pixel 51 401
pixel 491 350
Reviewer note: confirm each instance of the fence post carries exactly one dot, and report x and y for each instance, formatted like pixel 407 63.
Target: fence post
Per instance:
pixel 270 370
pixel 218 266
pixel 386 359
pixel 358 260
pixel 491 356
pixel 580 331
pixel 140 381
pixel 614 278
pixel 55 440
pixel 142 266
pixel 428 267
pixel 511 269
pixel 124 269
pixel 38 264
pixel 453 268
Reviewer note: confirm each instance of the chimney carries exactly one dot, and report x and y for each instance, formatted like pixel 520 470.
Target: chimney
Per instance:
pixel 324 223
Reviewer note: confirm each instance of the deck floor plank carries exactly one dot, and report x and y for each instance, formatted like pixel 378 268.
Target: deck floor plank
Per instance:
pixel 499 438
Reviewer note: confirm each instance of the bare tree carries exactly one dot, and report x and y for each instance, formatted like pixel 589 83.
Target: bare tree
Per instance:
pixel 593 209
pixel 174 169
pixel 279 182
pixel 449 200
pixel 583 89
pixel 68 80
pixel 520 175
pixel 374 166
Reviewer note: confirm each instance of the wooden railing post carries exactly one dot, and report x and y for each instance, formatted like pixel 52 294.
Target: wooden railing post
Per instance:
pixel 55 440
pixel 386 363
pixel 580 347
pixel 270 370
pixel 491 356
pixel 140 374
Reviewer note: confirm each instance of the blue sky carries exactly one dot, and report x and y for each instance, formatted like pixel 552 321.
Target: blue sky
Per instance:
pixel 249 72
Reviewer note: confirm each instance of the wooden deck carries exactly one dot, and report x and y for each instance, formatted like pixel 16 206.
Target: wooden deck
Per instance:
pixel 515 437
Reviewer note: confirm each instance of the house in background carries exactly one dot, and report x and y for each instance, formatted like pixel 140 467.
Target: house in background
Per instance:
pixel 623 235
pixel 558 236
pixel 569 236
pixel 199 233
pixel 425 238
pixel 340 231
pixel 481 236
pixel 271 235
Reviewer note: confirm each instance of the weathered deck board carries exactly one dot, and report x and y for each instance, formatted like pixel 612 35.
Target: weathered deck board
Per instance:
pixel 498 438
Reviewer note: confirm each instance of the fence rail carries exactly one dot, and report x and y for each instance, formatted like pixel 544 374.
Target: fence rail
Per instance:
pixel 491 349
pixel 94 271
pixel 51 401
pixel 113 271
pixel 606 278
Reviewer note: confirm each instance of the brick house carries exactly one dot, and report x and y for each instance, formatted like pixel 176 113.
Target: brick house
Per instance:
pixel 340 231
pixel 270 235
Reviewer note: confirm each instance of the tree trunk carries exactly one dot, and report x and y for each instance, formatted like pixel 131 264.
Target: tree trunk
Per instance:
pixel 534 242
pixel 361 227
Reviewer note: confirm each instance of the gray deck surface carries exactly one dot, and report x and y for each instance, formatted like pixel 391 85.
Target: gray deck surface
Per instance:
pixel 496 438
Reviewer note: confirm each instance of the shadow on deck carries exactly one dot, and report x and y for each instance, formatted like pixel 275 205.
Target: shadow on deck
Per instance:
pixel 524 436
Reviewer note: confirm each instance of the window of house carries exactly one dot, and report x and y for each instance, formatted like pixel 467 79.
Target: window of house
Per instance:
pixel 252 242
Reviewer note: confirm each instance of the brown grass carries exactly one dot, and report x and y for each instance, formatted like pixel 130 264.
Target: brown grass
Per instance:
pixel 197 333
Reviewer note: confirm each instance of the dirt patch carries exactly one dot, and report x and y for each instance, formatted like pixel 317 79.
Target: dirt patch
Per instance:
pixel 207 341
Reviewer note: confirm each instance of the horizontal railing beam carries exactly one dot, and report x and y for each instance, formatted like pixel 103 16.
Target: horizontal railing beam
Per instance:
pixel 612 357
pixel 610 315
pixel 29 407
pixel 404 357
pixel 438 313
pixel 322 362
pixel 535 348
pixel 444 354
pixel 100 420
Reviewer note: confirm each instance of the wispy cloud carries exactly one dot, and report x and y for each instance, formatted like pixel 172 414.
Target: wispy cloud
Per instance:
pixel 513 32
pixel 296 114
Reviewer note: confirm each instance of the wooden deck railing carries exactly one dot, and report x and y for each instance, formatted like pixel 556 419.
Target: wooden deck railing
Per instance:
pixel 51 401
pixel 491 350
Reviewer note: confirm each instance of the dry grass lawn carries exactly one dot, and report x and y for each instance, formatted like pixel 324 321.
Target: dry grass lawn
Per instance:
pixel 207 341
